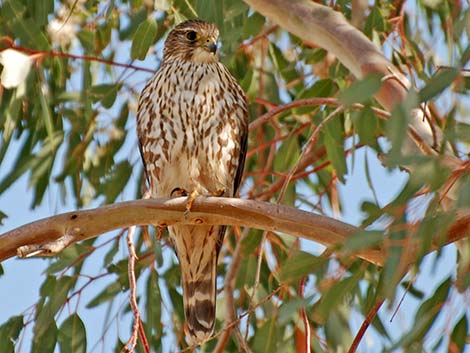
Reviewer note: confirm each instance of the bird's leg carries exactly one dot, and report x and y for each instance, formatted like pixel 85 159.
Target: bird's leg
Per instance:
pixel 178 192
pixel 192 196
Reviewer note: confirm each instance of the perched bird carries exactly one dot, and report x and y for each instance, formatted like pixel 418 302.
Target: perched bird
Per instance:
pixel 192 124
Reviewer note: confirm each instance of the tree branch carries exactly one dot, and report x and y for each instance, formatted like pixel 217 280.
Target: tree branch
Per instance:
pixel 329 29
pixel 81 225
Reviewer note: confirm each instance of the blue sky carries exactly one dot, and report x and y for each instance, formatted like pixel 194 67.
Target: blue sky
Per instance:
pixel 19 287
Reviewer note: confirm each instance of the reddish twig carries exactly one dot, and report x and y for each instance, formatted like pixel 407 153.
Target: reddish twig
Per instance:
pixel 145 343
pixel 137 327
pixel 370 316
pixel 258 37
pixel 76 57
pixel 306 336
pixel 275 140
pixel 309 102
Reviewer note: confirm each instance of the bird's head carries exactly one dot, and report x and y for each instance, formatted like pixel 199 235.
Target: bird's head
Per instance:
pixel 193 40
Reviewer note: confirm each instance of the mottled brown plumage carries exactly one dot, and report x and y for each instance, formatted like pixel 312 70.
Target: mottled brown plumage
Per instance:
pixel 192 124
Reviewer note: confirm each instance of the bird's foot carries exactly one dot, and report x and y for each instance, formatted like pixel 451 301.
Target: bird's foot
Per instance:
pixel 192 196
pixel 219 192
pixel 178 192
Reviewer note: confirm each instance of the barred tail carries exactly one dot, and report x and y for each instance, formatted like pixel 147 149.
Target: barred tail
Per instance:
pixel 199 297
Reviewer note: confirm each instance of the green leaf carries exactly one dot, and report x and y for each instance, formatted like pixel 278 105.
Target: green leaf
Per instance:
pixel 233 9
pixel 368 126
pixel 41 9
pixel 105 295
pixel 336 294
pixel 164 5
pixel 143 38
pixel 438 83
pixel 45 340
pixel 463 199
pixel 426 316
pixel 361 91
pixel 24 27
pixel 364 240
pixel 106 93
pixel 114 183
pixel 56 292
pixel 321 88
pixel 154 306
pixel 253 25
pixel 103 36
pixel 333 140
pixel 87 39
pixel 375 21
pixel 282 65
pixel 247 272
pixel 408 286
pixel 72 335
pixel 397 124
pixel 266 339
pixel 135 19
pixel 9 333
pixel 67 258
pixel 389 276
pixel 3 216
pixel 212 11
pixel 288 310
pixel 108 258
pixel 300 264
pixel 459 335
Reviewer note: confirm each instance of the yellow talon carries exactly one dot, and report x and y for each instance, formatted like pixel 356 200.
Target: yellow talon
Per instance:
pixel 192 196
pixel 178 192
pixel 218 192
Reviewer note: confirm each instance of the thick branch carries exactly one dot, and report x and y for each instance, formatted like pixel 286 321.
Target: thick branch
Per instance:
pixel 81 225
pixel 330 30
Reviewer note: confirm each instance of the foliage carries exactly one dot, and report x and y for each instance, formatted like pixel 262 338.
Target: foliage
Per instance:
pixel 71 121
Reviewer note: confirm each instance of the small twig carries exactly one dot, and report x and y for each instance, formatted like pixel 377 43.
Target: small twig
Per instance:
pixel 143 337
pixel 370 316
pixel 242 341
pixel 382 114
pixel 402 298
pixel 79 57
pixel 304 317
pixel 262 35
pixel 137 327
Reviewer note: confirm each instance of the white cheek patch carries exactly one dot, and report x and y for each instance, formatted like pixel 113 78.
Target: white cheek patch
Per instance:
pixel 203 56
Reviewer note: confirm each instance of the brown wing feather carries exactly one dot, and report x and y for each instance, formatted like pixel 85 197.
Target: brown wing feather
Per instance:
pixel 237 180
pixel 241 160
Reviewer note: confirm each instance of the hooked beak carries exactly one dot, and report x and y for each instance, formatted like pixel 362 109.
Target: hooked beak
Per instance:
pixel 211 45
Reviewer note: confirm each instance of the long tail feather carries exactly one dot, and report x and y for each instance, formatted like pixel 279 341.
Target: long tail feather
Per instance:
pixel 197 249
pixel 199 298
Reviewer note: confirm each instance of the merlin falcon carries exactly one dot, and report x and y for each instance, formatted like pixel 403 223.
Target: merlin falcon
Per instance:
pixel 192 124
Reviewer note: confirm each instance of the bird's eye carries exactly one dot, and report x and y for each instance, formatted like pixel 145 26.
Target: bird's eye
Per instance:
pixel 192 36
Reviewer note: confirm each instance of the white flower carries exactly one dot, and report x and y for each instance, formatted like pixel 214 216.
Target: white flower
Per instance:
pixel 16 66
pixel 61 32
